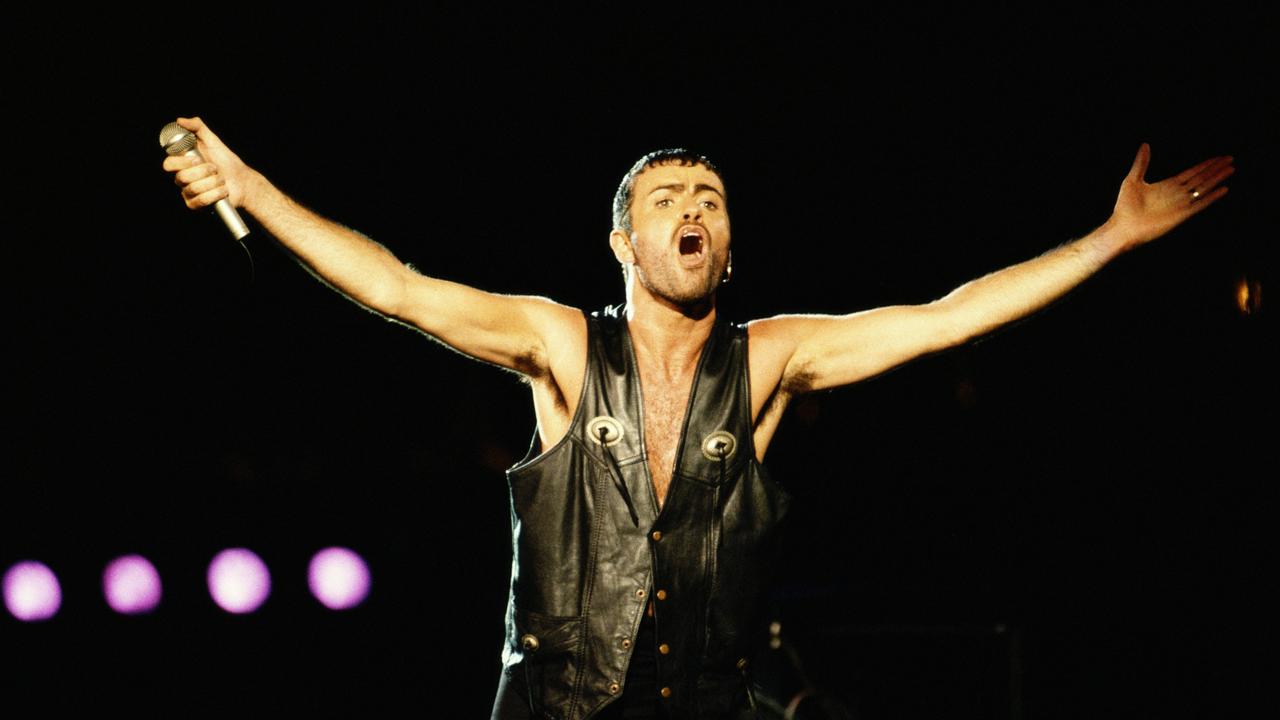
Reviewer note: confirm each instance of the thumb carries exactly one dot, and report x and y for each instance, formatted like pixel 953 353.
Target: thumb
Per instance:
pixel 197 126
pixel 191 123
pixel 1139 169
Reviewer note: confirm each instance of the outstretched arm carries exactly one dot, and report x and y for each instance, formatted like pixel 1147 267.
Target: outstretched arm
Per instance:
pixel 821 351
pixel 510 331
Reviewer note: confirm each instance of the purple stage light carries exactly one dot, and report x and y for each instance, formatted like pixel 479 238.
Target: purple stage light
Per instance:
pixel 131 585
pixel 238 580
pixel 339 578
pixel 31 591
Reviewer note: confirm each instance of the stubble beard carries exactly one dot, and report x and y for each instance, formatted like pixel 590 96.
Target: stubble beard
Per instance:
pixel 682 288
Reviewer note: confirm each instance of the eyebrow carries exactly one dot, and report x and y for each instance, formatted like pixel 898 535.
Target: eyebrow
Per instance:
pixel 679 187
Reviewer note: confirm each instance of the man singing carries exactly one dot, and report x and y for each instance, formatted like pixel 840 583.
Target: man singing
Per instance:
pixel 642 518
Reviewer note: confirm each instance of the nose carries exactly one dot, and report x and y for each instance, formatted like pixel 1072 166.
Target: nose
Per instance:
pixel 694 213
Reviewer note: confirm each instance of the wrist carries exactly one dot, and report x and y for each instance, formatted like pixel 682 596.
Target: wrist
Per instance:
pixel 1109 241
pixel 255 188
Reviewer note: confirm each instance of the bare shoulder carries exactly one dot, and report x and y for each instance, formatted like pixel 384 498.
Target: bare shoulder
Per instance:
pixel 558 379
pixel 777 373
pixel 563 331
pixel 771 345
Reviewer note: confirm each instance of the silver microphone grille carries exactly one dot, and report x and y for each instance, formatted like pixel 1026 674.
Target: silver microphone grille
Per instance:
pixel 175 139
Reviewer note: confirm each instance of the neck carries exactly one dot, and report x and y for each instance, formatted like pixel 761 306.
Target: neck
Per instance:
pixel 667 335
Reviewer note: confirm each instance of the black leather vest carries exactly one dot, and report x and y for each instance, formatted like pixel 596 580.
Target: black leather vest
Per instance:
pixel 591 548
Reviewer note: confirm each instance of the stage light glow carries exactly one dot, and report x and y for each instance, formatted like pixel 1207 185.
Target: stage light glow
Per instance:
pixel 338 578
pixel 239 581
pixel 131 585
pixel 1248 296
pixel 31 591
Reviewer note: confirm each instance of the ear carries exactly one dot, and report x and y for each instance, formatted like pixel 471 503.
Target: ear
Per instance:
pixel 622 249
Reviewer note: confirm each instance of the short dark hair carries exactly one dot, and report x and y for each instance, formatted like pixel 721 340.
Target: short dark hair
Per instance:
pixel 626 189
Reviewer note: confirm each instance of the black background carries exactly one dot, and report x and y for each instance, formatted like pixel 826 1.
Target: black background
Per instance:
pixel 1067 518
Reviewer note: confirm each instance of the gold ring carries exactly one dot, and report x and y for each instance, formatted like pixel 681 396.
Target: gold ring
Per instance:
pixel 1195 194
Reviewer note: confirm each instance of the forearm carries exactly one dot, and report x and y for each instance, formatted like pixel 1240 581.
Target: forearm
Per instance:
pixel 818 352
pixel 983 305
pixel 346 260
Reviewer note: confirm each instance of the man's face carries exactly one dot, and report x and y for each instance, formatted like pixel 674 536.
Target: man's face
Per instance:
pixel 680 232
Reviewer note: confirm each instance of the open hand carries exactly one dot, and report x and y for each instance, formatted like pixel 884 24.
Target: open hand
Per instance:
pixel 1145 211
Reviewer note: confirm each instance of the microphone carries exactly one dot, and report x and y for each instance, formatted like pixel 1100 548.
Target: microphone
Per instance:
pixel 177 140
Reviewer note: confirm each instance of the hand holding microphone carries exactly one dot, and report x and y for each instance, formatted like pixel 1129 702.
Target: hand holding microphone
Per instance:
pixel 206 170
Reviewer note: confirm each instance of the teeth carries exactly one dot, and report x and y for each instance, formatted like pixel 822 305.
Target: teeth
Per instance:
pixel 692 240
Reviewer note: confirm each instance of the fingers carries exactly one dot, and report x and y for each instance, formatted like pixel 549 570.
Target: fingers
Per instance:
pixel 1205 182
pixel 1139 169
pixel 200 182
pixel 188 169
pixel 1186 176
pixel 196 172
pixel 1206 200
pixel 1212 174
pixel 204 193
pixel 178 162
pixel 205 199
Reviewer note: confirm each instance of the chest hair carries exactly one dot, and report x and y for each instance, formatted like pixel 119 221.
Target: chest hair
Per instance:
pixel 665 402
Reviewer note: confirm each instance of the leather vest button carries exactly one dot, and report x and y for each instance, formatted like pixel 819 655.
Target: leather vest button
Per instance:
pixel 719 445
pixel 664 648
pixel 626 644
pixel 529 643
pixel 640 593
pixel 662 594
pixel 613 688
pixel 665 692
pixel 657 535
pixel 604 430
pixel 742 664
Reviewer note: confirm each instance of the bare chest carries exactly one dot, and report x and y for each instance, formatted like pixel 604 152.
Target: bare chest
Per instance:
pixel 665 403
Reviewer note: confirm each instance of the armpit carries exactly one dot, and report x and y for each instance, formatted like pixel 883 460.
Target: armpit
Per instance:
pixel 531 362
pixel 798 379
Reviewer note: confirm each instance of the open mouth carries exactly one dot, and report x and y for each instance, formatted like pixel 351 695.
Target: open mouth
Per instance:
pixel 693 245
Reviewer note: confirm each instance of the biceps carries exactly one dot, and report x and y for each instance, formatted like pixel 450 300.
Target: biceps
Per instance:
pixel 841 350
pixel 498 329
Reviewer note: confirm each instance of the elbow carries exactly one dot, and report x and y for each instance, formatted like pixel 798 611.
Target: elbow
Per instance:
pixel 950 327
pixel 389 296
